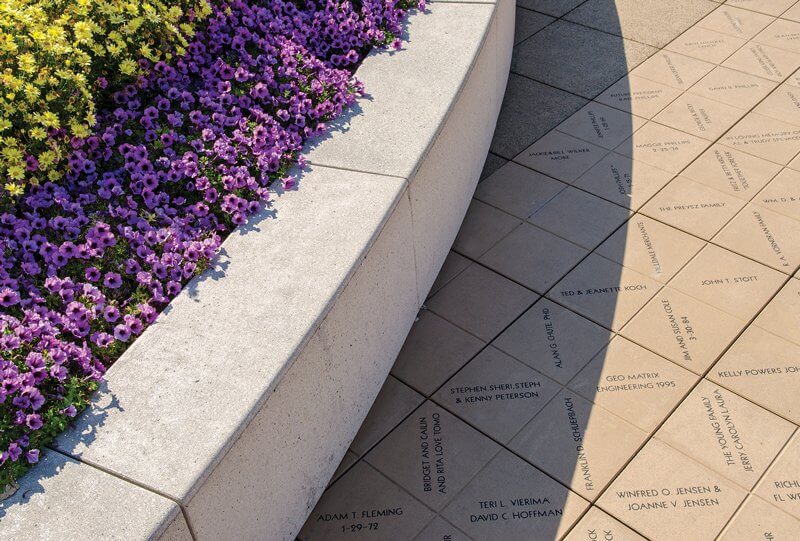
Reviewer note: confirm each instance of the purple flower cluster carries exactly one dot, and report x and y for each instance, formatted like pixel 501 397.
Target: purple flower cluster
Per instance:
pixel 175 162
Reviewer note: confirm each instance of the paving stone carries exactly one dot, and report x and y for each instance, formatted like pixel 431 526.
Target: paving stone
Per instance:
pixel 728 281
pixel 605 292
pixel 763 368
pixel 493 163
pixel 732 87
pixel 596 524
pixel 693 207
pixel 572 440
pixel 664 495
pixel 349 459
pixel 434 350
pixel 530 109
pixel 648 21
pixel 650 247
pixel 441 530
pixel 600 124
pixel 624 376
pixel 732 171
pixel 683 329
pixel 453 264
pixel 726 433
pixel 481 301
pixel 782 315
pixel 663 147
pixel 528 23
pixel 519 257
pixel 706 44
pixel 734 21
pixel 393 403
pixel 781 484
pixel 518 190
pixel 596 59
pixel 673 69
pixel 770 7
pixel 432 455
pixel 763 60
pixel 639 96
pixel 782 104
pixel 782 34
pixel 763 235
pixel 364 502
pixel 699 116
pixel 561 156
pixel 553 340
pixel 483 227
pixel 496 394
pixel 766 137
pixel 759 520
pixel 579 217
pixel 510 499
pixel 623 181
pixel 556 8
pixel 793 13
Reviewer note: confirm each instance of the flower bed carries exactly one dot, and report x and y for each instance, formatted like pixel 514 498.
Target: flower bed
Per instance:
pixel 175 161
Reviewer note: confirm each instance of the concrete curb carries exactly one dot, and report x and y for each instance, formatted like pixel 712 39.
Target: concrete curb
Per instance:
pixel 229 415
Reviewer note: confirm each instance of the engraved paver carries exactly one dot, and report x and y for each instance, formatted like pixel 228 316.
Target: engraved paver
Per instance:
pixel 611 350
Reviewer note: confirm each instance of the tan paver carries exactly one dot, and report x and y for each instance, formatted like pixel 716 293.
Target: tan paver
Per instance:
pixel 763 60
pixel 553 340
pixel 366 503
pixel 579 217
pixel 496 393
pixel 603 291
pixel 432 455
pixel 518 190
pixel 705 44
pixel 783 103
pixel 782 315
pixel 782 194
pixel 624 376
pixel 394 402
pixel 783 34
pixel 510 499
pixel 596 524
pixel 569 440
pixel 741 23
pixel 623 181
pixel 769 7
pixel 683 329
pixel 764 235
pixel 765 369
pixel 726 433
pixel 664 147
pixel 665 495
pixel 765 137
pixel 732 171
pixel 561 156
pixel 639 96
pixel 733 87
pixel 482 228
pixel 518 256
pixel 781 484
pixel 650 247
pixel 728 281
pixel 759 520
pixel 673 69
pixel 602 125
pixel 700 116
pixel 693 207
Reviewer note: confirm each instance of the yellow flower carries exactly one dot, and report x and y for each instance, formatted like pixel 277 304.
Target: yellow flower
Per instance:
pixel 82 31
pixel 127 66
pixel 37 133
pixel 26 62
pixel 16 172
pixel 14 189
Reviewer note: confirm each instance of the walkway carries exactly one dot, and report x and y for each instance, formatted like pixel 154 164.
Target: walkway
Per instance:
pixel 612 349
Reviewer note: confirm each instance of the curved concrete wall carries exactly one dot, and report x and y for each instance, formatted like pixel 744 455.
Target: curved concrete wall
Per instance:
pixel 229 415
